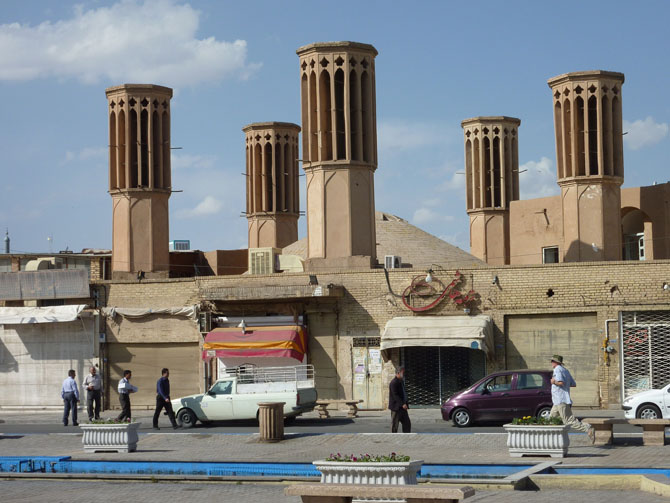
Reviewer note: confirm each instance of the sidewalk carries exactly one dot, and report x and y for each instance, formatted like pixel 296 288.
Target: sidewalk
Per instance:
pixel 473 448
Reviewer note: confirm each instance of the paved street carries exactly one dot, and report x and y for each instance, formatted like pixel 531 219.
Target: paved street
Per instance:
pixel 19 491
pixel 423 421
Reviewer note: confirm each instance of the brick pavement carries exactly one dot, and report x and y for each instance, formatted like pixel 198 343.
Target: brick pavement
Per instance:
pixel 432 448
pixel 29 491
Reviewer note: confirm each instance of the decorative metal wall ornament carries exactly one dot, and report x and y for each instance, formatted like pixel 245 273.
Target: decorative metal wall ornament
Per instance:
pixel 422 291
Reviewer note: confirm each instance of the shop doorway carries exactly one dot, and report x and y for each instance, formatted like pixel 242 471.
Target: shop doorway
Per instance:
pixel 433 374
pixel 367 372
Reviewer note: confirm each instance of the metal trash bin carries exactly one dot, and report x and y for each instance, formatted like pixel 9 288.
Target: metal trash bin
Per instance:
pixel 271 421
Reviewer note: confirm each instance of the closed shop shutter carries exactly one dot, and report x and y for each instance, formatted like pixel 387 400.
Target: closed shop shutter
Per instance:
pixel 146 361
pixel 532 340
pixel 322 350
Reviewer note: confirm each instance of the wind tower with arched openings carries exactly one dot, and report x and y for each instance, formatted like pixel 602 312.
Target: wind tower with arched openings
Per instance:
pixel 273 196
pixel 139 179
pixel 491 183
pixel 339 138
pixel 589 160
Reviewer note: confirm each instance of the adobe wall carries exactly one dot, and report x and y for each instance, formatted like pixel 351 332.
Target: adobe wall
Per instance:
pixel 534 224
pixel 603 288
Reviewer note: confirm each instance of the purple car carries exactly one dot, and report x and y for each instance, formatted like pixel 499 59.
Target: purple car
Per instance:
pixel 501 396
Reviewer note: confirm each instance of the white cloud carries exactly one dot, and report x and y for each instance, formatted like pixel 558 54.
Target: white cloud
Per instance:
pixel 85 154
pixel 425 215
pixel 187 161
pixel 538 179
pixel 208 206
pixel 130 41
pixel 407 135
pixel 644 133
pixel 455 183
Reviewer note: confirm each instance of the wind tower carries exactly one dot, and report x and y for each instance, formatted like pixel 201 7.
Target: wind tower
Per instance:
pixel 589 160
pixel 339 153
pixel 491 183
pixel 273 202
pixel 139 179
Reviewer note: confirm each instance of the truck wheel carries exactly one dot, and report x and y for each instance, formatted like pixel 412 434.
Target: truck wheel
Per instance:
pixel 289 420
pixel 186 418
pixel 649 411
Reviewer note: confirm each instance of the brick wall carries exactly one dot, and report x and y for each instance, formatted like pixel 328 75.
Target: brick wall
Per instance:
pixel 605 288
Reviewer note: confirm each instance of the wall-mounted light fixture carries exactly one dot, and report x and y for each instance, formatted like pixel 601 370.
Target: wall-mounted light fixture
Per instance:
pixel 666 286
pixel 495 281
pixel 243 326
pixel 429 276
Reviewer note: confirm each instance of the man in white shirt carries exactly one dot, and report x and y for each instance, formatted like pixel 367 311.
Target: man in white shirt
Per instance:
pixel 561 382
pixel 70 394
pixel 93 387
pixel 125 388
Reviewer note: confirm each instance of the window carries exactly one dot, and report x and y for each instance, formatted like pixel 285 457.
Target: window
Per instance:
pixel 550 255
pixel 222 388
pixel 529 381
pixel 5 265
pixel 498 383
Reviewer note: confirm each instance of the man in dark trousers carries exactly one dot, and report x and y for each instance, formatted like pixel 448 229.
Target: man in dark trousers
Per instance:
pixel 398 403
pixel 163 399
pixel 125 389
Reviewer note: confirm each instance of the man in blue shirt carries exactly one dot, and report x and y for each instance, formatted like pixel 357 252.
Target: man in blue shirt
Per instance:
pixel 70 394
pixel 561 382
pixel 163 399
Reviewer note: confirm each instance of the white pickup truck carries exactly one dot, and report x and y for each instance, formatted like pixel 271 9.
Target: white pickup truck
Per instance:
pixel 236 395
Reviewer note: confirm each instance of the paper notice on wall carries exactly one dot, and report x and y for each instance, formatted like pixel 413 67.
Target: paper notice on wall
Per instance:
pixel 375 368
pixel 375 355
pixel 359 369
pixel 359 378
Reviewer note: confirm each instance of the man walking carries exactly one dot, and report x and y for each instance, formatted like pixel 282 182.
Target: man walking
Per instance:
pixel 93 387
pixel 561 382
pixel 125 389
pixel 70 394
pixel 398 403
pixel 163 399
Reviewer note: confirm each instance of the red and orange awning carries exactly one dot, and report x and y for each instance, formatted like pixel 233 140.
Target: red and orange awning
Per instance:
pixel 274 341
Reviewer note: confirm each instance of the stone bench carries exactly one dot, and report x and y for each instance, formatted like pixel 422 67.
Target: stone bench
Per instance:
pixel 344 493
pixel 322 407
pixel 653 430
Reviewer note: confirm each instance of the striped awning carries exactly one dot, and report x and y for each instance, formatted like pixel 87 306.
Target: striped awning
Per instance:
pixel 273 341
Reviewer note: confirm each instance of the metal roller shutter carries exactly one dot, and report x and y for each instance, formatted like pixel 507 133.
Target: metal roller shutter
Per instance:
pixel 532 340
pixel 146 361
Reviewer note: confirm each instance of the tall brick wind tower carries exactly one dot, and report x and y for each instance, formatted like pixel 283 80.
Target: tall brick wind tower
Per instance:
pixel 139 179
pixel 273 196
pixel 589 160
pixel 339 150
pixel 491 183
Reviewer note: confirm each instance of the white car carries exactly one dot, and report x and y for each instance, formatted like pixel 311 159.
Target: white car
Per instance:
pixel 237 395
pixel 651 404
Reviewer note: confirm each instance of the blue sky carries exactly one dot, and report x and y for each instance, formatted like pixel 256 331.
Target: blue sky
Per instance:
pixel 233 62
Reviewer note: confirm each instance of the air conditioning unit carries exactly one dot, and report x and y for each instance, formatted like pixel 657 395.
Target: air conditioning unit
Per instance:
pixel 392 261
pixel 263 260
pixel 205 322
pixel 180 245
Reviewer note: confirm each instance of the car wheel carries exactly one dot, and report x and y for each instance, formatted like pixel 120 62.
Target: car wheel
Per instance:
pixel 186 418
pixel 544 412
pixel 649 412
pixel 461 418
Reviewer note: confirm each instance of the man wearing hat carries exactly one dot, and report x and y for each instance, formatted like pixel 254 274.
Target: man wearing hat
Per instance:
pixel 561 382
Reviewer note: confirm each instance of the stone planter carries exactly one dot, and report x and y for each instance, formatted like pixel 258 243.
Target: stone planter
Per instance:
pixel 537 440
pixel 120 437
pixel 339 472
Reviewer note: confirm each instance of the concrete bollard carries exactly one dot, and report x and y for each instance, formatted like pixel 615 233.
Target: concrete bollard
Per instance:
pixel 271 421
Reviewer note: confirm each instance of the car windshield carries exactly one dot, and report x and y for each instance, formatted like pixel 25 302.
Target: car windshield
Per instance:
pixel 222 388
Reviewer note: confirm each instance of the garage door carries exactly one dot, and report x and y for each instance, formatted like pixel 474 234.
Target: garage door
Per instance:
pixel 531 340
pixel 146 361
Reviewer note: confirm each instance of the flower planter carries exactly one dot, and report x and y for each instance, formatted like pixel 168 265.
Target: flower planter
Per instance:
pixel 537 440
pixel 120 437
pixel 339 472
